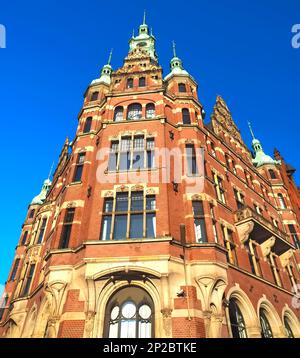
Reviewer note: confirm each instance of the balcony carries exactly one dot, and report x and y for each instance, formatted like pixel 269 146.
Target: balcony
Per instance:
pixel 250 223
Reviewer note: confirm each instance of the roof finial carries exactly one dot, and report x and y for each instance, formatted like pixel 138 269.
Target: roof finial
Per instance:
pixel 110 56
pixel 51 169
pixel 251 131
pixel 174 48
pixel 144 18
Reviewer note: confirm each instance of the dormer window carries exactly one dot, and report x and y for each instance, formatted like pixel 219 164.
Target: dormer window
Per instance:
pixel 130 83
pixel 272 174
pixel 142 82
pixel 182 87
pixel 94 96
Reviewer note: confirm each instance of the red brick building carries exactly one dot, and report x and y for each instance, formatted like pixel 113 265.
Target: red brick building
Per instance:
pixel 157 224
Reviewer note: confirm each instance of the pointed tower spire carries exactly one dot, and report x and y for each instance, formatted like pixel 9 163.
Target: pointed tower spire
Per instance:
pixel 251 131
pixel 106 72
pixel 50 172
pixel 260 157
pixel 176 65
pixel 110 56
pixel 174 48
pixel 144 39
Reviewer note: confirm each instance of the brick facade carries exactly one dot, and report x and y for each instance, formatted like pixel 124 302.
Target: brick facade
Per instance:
pixel 238 246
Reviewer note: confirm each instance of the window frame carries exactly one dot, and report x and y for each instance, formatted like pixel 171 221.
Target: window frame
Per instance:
pixel 67 226
pixel 146 212
pixel 87 125
pixel 78 171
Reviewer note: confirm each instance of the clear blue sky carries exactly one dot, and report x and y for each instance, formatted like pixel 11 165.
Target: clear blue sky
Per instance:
pixel 239 49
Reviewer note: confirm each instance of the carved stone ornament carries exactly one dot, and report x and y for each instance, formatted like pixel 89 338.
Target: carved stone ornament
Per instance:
pixel 222 115
pixel 267 246
pixel 285 257
pixel 244 230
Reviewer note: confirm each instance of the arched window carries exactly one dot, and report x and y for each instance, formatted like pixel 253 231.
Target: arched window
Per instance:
pixel 272 174
pixel 87 125
pixel 94 96
pixel 142 82
pixel 237 323
pixel 266 331
pixel 129 314
pixel 150 110
pixel 130 83
pixel 186 118
pixel 134 111
pixel 281 201
pixel 182 87
pixel 118 115
pixel 288 331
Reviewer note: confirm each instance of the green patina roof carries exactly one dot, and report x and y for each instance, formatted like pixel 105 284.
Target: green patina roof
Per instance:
pixel 39 199
pixel 261 158
pixel 106 72
pixel 176 66
pixel 144 40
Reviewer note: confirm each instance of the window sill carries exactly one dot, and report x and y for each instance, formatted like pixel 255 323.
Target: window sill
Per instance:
pixel 131 170
pixel 129 241
pixel 75 183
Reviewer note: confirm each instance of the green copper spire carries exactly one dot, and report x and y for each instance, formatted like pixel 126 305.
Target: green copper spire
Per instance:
pixel 260 157
pixel 176 65
pixel 106 72
pixel 144 40
pixel 39 199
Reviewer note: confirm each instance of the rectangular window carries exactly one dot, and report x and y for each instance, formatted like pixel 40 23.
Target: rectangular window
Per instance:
pixel 15 270
pixel 150 153
pixel 106 228
pixel 199 222
pixel 138 153
pixel 220 192
pixel 42 231
pixel 113 156
pixel 140 218
pixel 28 280
pixel 122 202
pixel 24 238
pixel 133 153
pixel 79 167
pixel 254 259
pixel 67 228
pixel 31 214
pixel 130 83
pixel 3 304
pixel 239 198
pixel 214 224
pixel 120 228
pixel 272 259
pixel 191 159
pixel 294 235
pixel 230 246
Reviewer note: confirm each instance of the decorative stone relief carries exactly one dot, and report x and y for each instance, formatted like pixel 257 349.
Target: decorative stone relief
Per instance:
pixel 244 230
pixel 285 257
pixel 267 246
